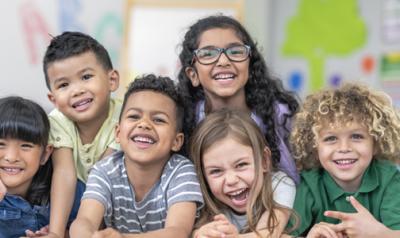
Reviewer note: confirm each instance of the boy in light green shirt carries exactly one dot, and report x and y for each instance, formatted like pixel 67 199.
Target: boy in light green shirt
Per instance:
pixel 346 141
pixel 80 79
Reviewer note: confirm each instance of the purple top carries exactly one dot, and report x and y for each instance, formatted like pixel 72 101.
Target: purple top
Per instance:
pixel 286 163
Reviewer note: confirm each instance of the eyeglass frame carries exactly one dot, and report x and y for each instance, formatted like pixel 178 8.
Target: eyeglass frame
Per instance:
pixel 221 51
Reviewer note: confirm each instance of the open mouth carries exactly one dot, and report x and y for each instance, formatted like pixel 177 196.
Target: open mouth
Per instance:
pixel 11 171
pixel 82 103
pixel 345 161
pixel 224 77
pixel 239 197
pixel 143 139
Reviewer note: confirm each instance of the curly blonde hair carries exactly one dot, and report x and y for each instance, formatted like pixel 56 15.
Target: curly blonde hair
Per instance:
pixel 351 102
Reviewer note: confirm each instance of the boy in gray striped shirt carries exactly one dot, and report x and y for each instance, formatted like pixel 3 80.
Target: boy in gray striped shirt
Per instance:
pixel 145 190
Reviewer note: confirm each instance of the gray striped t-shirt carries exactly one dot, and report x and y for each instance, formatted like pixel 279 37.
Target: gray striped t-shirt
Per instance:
pixel 108 183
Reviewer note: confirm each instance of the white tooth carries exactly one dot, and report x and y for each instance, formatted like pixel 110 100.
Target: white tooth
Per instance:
pixel 143 139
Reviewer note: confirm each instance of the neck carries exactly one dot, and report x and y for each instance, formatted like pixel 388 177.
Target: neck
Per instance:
pixel 143 177
pixel 234 103
pixel 88 129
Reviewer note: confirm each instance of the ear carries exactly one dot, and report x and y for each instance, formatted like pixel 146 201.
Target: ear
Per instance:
pixel 192 75
pixel 113 77
pixel 266 162
pixel 46 154
pixel 117 133
pixel 178 142
pixel 51 98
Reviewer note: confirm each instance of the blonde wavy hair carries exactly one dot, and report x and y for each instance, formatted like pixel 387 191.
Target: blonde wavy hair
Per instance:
pixel 351 102
pixel 242 128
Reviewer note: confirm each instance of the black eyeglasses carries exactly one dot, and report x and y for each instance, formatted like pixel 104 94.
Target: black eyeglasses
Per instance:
pixel 210 55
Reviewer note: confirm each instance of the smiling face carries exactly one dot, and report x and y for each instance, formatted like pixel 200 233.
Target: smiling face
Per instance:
pixel 147 130
pixel 229 170
pixel 81 87
pixel 19 162
pixel 224 79
pixel 345 152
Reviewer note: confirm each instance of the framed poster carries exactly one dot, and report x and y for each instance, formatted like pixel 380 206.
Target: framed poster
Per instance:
pixel 155 29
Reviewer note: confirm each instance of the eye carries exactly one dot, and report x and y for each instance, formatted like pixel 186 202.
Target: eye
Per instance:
pixel 241 165
pixel 62 85
pixel 27 145
pixel 357 136
pixel 87 76
pixel 329 139
pixel 215 172
pixel 133 116
pixel 159 120
pixel 237 50
pixel 207 53
pixel 2 144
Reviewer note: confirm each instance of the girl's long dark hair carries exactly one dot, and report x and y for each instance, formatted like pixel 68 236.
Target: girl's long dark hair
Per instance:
pixel 262 91
pixel 25 120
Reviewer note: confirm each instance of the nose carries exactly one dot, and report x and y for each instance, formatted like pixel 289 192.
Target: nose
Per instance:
pixel 231 178
pixel 344 146
pixel 11 155
pixel 223 60
pixel 78 89
pixel 144 124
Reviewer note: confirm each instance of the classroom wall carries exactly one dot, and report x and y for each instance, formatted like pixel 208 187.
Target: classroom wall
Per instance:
pixel 27 26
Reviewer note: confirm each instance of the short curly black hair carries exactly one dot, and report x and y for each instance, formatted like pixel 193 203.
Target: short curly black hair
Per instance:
pixel 70 44
pixel 160 84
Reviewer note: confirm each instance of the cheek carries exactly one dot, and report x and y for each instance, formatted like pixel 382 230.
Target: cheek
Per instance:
pixel 215 185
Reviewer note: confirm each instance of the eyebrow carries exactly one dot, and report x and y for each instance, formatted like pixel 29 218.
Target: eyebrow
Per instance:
pixel 79 72
pixel 152 112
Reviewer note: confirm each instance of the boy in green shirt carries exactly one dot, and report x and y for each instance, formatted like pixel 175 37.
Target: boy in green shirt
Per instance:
pixel 80 78
pixel 346 141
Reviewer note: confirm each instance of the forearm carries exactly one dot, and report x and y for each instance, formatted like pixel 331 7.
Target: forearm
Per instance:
pixel 82 227
pixel 169 232
pixel 62 197
pixel 390 234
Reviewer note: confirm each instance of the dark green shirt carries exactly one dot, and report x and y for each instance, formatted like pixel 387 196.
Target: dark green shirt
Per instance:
pixel 379 193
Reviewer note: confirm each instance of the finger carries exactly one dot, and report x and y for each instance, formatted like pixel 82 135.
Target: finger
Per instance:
pixel 220 217
pixel 29 233
pixel 357 205
pixel 338 215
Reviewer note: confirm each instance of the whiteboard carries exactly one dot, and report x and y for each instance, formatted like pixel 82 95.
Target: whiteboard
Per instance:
pixel 155 30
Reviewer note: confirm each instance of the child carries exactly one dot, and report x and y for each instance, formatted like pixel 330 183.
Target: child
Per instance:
pixel 242 192
pixel 345 141
pixel 144 188
pixel 80 77
pixel 25 172
pixel 222 68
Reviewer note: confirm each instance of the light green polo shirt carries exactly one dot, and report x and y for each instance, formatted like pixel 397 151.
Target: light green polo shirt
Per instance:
pixel 64 133
pixel 379 193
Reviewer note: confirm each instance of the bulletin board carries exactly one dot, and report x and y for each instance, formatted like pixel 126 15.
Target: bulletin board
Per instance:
pixel 318 44
pixel 155 29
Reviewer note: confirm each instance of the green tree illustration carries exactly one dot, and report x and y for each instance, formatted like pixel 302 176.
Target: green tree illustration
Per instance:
pixel 323 28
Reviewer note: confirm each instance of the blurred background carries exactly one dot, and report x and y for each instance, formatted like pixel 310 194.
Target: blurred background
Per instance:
pixel 309 44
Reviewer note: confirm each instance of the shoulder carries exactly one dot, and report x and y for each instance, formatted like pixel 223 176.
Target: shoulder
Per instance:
pixel 385 170
pixel 111 166
pixel 281 177
pixel 179 161
pixel 58 116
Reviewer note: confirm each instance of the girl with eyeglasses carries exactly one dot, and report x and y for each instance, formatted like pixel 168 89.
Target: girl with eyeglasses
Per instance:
pixel 222 68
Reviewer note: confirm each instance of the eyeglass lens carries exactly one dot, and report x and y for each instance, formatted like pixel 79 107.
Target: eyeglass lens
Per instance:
pixel 210 55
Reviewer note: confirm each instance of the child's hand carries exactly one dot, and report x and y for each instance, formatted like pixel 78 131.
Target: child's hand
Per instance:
pixel 42 232
pixel 324 230
pixel 213 229
pixel 227 228
pixel 3 190
pixel 359 224
pixel 107 233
